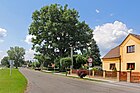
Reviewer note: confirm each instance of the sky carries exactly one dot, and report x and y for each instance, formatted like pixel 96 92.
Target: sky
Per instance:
pixel 111 21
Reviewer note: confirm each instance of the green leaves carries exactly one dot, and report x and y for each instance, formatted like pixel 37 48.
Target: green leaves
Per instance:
pixel 5 61
pixel 16 54
pixel 58 28
pixel 66 62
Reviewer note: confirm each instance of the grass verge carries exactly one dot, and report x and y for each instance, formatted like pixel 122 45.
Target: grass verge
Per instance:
pixel 16 83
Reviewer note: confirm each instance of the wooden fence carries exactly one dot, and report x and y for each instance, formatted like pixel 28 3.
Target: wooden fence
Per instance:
pixel 98 73
pixel 135 77
pixel 111 74
pixel 127 76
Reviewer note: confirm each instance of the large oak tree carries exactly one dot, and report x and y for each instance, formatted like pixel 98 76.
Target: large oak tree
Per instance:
pixel 56 28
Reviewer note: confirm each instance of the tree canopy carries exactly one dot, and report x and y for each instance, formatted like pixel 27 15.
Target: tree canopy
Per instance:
pixel 5 61
pixel 56 28
pixel 16 54
pixel 93 52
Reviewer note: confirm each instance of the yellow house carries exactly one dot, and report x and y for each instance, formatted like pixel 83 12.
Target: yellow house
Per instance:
pixel 124 57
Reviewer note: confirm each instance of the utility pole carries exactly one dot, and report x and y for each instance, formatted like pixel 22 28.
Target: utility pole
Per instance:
pixel 71 57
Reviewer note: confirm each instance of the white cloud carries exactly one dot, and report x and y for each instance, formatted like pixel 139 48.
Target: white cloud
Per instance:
pixel 110 35
pixel 1 40
pixel 97 11
pixel 111 14
pixel 2 32
pixel 29 39
pixel 29 54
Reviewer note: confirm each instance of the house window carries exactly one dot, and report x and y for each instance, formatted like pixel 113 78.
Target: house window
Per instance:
pixel 131 49
pixel 112 66
pixel 130 66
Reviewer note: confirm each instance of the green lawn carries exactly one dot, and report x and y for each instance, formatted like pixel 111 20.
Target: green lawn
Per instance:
pixel 12 84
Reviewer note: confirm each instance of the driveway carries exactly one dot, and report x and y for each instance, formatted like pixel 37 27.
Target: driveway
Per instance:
pixel 39 82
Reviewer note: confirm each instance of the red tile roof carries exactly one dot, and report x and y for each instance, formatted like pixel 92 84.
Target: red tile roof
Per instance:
pixel 113 53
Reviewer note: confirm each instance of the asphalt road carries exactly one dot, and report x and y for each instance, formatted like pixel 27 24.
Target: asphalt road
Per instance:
pixel 39 82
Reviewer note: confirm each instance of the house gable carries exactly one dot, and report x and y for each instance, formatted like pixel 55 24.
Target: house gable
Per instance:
pixel 134 37
pixel 131 39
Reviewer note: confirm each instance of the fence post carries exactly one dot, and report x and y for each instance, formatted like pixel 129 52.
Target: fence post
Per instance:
pixel 104 72
pixel 118 75
pixel 128 76
pixel 93 73
pixel 71 71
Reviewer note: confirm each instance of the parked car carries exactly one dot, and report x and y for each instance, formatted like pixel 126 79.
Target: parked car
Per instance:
pixel 37 68
pixel 82 73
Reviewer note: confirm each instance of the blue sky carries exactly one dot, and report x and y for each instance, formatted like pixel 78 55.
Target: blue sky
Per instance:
pixel 107 18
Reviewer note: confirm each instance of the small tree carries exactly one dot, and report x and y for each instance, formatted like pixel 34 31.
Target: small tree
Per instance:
pixel 80 60
pixel 5 62
pixel 36 64
pixel 16 54
pixel 66 63
pixel 43 60
pixel 29 63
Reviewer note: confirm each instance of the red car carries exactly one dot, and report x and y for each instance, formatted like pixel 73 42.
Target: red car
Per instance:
pixel 82 73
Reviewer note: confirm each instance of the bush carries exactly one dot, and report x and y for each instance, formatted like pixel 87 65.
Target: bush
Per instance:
pixel 66 62
pixel 80 60
pixel 36 64
pixel 94 69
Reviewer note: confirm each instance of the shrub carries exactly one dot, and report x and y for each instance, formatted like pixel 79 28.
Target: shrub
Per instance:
pixel 80 60
pixel 36 64
pixel 66 62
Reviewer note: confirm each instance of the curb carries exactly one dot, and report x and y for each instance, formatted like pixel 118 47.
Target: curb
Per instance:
pixel 134 85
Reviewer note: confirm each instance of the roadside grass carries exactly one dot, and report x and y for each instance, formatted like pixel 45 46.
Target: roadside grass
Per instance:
pixel 16 83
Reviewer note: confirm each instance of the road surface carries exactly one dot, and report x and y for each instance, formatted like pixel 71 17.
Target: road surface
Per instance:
pixel 39 82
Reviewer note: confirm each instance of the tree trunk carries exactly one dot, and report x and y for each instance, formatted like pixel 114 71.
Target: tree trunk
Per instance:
pixel 42 66
pixel 66 71
pixel 16 64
